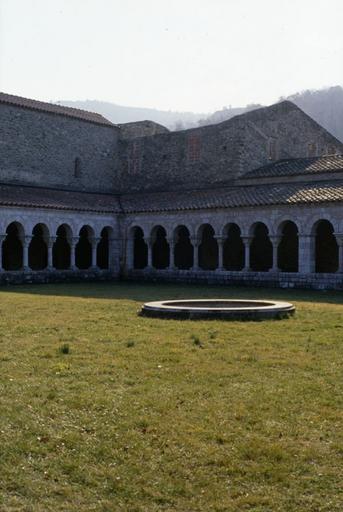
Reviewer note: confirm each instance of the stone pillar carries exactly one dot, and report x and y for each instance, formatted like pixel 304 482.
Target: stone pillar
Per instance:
pixel 149 243
pixel 2 238
pixel 50 243
pixel 275 240
pixel 171 243
pixel 306 254
pixel 195 242
pixel 339 239
pixel 220 242
pixel 73 242
pixel 26 242
pixel 247 242
pixel 94 242
pixel 129 253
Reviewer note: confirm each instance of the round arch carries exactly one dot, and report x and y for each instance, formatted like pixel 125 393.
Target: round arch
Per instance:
pixel 261 248
pixel 325 247
pixel 160 248
pixel 61 251
pixel 183 248
pixel 208 247
pixel 12 247
pixel 233 247
pixel 38 248
pixel 288 248
pixel 83 249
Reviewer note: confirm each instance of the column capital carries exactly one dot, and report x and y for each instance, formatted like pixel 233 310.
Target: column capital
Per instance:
pixel 220 239
pixel 194 240
pixel 51 240
pixel 246 239
pixel 94 240
pixel 339 238
pixel 275 239
pixel 27 240
pixel 2 238
pixel 73 240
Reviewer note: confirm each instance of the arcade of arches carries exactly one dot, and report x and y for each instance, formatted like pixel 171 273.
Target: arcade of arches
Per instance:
pixel 260 251
pixel 62 251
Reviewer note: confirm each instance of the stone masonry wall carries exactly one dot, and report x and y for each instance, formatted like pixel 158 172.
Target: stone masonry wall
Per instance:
pixel 220 153
pixel 51 150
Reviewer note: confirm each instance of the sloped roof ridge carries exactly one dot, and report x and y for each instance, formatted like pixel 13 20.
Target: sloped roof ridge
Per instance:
pixel 298 166
pixel 54 108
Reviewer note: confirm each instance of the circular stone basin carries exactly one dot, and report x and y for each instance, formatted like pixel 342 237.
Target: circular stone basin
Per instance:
pixel 228 309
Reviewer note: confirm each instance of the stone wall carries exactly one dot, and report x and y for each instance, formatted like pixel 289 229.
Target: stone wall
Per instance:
pixel 141 129
pixel 220 153
pixel 50 150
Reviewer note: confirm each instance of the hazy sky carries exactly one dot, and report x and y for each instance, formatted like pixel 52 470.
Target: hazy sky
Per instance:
pixel 170 54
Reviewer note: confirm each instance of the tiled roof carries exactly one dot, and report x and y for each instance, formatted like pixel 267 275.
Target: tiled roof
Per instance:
pixel 296 166
pixel 84 115
pixel 233 197
pixel 34 197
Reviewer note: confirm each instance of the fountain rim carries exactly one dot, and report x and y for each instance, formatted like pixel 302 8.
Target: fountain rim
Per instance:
pixel 201 308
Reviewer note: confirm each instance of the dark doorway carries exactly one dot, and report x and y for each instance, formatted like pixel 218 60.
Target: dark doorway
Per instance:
pixel 288 250
pixel 261 249
pixel 61 249
pixel 140 249
pixel 38 251
pixel 326 248
pixel 208 249
pixel 233 249
pixel 83 249
pixel 12 248
pixel 183 250
pixel 103 249
pixel 160 248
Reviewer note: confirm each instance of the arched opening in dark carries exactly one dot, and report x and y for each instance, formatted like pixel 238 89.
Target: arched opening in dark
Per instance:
pixel 140 249
pixel 103 249
pixel 261 249
pixel 288 249
pixel 160 248
pixel 208 248
pixel 12 247
pixel 326 248
pixel 61 248
pixel 83 249
pixel 183 249
pixel 38 250
pixel 233 248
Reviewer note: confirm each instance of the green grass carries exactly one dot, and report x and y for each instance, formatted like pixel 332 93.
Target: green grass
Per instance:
pixel 104 410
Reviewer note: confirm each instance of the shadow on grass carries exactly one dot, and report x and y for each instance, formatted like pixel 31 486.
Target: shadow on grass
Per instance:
pixel 148 291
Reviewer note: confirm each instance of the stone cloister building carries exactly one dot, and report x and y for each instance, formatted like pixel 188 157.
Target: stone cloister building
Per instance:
pixel 254 200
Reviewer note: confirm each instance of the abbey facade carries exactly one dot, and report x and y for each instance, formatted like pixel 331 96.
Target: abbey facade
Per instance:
pixel 254 200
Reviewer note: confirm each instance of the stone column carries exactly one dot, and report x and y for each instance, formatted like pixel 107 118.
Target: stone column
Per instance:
pixel 306 254
pixel 2 238
pixel 94 242
pixel 129 253
pixel 247 242
pixel 26 242
pixel 73 242
pixel 339 239
pixel 50 243
pixel 171 243
pixel 149 243
pixel 195 242
pixel 275 240
pixel 220 242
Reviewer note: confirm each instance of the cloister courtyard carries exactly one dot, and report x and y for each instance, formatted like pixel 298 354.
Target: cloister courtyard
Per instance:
pixel 105 410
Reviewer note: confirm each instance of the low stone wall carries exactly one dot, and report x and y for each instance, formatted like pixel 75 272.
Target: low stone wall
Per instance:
pixel 58 276
pixel 254 279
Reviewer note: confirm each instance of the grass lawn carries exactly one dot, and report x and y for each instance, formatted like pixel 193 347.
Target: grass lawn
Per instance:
pixel 103 410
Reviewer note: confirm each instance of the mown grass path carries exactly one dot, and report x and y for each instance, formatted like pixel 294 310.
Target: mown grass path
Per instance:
pixel 103 410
